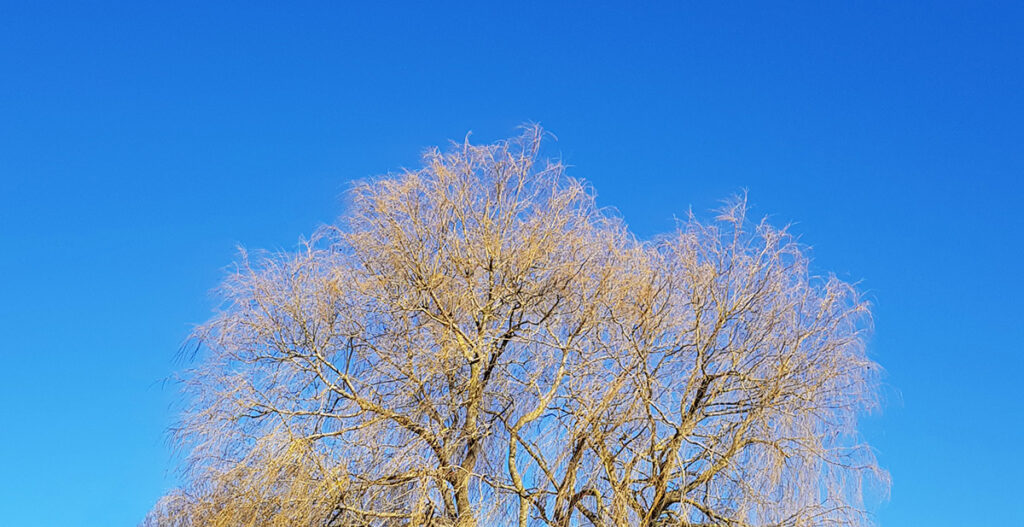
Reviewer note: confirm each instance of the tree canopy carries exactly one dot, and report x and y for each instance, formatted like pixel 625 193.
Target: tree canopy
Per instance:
pixel 476 342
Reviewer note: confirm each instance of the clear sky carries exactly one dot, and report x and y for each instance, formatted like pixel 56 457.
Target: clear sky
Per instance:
pixel 139 144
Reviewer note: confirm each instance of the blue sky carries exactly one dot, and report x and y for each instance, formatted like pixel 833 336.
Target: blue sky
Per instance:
pixel 140 143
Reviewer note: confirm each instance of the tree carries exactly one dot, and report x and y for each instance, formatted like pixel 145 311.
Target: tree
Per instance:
pixel 477 343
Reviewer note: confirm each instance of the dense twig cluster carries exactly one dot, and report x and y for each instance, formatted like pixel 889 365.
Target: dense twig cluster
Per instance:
pixel 477 343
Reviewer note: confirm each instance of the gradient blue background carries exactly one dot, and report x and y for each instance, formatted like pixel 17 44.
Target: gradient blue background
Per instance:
pixel 139 144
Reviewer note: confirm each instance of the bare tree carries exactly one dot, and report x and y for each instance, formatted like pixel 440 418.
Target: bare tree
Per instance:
pixel 477 343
